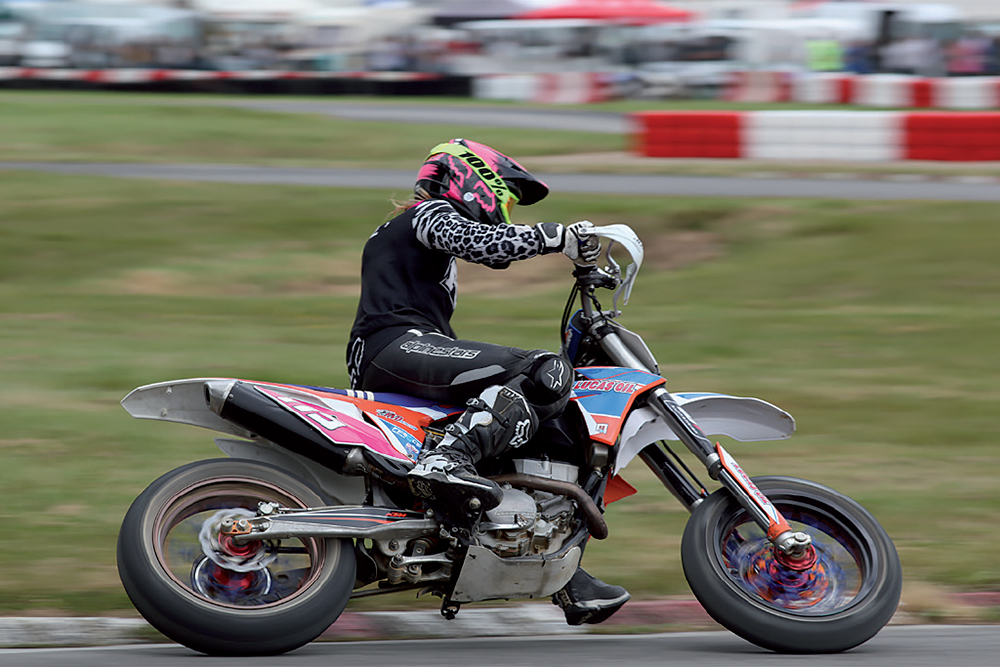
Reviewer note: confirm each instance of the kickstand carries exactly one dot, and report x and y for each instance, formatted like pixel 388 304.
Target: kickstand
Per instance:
pixel 457 528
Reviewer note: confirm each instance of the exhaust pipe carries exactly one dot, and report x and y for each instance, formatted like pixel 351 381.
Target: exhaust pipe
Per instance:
pixel 240 403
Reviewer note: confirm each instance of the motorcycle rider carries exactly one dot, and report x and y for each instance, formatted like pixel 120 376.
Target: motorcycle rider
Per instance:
pixel 402 340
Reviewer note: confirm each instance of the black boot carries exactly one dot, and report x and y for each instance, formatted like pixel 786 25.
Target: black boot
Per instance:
pixel 586 599
pixel 500 419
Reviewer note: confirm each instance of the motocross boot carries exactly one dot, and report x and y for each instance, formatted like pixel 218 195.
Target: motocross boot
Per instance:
pixel 587 599
pixel 500 419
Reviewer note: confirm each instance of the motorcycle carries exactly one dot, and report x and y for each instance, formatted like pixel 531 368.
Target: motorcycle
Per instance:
pixel 261 552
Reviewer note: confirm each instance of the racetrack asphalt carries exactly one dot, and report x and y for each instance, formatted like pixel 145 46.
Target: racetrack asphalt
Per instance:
pixel 534 618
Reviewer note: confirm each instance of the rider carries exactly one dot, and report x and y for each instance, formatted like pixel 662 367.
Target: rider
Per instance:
pixel 402 340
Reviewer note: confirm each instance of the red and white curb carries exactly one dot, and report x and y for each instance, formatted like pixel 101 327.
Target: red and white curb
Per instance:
pixel 512 620
pixel 517 620
pixel 853 136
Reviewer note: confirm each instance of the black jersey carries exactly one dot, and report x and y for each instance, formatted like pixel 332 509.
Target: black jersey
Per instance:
pixel 409 275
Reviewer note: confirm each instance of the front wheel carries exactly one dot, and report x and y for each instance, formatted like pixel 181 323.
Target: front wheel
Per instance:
pixel 201 589
pixel 840 601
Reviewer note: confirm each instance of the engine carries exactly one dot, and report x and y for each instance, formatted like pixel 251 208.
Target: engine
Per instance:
pixel 530 522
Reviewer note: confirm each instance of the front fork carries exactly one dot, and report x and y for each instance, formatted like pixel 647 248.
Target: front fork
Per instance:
pixel 723 467
pixel 794 546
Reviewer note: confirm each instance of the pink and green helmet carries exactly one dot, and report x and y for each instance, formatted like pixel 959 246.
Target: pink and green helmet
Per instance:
pixel 481 183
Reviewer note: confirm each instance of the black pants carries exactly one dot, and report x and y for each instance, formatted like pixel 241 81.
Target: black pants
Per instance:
pixel 439 368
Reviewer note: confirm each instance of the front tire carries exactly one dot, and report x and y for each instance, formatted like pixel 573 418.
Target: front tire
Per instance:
pixel 288 594
pixel 841 601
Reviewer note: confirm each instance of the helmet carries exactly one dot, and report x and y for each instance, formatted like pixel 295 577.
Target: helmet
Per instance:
pixel 483 184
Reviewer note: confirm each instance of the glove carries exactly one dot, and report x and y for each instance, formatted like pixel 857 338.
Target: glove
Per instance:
pixel 576 241
pixel 581 244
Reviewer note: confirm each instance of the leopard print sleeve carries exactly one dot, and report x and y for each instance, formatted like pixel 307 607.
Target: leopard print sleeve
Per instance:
pixel 440 227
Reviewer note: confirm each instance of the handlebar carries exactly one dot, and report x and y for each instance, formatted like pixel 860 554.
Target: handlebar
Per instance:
pixel 612 277
pixel 589 277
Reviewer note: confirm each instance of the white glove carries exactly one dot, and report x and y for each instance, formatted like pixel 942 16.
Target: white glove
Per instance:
pixel 576 241
pixel 580 244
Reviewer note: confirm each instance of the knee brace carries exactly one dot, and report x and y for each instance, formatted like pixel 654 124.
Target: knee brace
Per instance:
pixel 547 384
pixel 500 419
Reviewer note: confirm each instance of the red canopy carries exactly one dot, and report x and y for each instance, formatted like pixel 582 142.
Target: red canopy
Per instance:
pixel 631 11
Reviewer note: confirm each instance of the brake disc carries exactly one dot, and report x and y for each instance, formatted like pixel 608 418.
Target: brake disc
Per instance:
pixel 224 552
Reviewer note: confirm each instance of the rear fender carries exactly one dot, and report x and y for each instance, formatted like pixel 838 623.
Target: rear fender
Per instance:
pixel 181 401
pixel 322 425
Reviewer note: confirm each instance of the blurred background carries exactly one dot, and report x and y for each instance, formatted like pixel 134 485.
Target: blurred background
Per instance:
pixel 646 48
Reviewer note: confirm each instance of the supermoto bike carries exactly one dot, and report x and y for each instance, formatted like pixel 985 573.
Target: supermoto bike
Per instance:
pixel 260 553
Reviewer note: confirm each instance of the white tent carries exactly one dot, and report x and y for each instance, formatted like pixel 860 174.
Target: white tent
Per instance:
pixel 256 9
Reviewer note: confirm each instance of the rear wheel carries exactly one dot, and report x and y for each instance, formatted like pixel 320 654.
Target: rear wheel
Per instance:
pixel 201 589
pixel 839 597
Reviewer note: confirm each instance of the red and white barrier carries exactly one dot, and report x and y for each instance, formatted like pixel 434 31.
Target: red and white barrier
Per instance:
pixel 135 75
pixel 875 90
pixel 760 86
pixel 715 134
pixel 549 88
pixel 955 137
pixel 554 88
pixel 868 136
pixel 572 88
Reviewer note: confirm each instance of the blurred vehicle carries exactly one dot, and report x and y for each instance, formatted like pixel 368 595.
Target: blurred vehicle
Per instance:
pixel 698 59
pixel 88 35
pixel 44 45
pixel 390 37
pixel 692 60
pixel 12 30
pixel 536 46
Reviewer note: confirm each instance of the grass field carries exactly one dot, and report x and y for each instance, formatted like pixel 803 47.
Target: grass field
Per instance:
pixel 137 127
pixel 874 323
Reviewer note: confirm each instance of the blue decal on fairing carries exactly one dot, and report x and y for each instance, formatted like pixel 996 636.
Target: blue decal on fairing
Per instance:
pixel 608 390
pixel 406 441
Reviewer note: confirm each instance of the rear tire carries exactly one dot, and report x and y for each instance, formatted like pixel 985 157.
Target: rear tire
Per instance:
pixel 842 601
pixel 270 610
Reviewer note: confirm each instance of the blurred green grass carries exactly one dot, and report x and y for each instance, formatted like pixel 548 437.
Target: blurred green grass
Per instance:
pixel 874 323
pixel 146 127
pixel 143 128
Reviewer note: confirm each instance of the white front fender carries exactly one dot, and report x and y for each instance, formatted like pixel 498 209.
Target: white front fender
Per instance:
pixel 738 417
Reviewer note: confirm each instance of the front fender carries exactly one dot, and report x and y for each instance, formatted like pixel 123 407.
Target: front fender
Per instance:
pixel 738 417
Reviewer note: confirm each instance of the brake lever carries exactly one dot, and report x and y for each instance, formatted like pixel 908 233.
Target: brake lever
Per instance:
pixel 588 275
